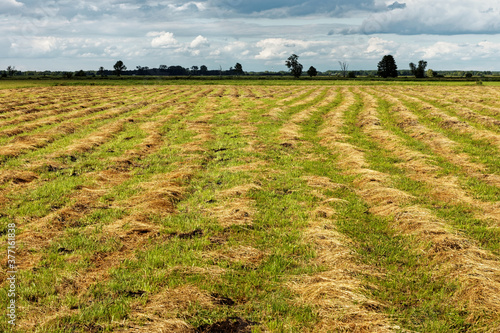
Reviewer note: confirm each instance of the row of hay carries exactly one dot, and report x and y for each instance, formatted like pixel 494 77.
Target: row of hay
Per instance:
pixel 438 143
pixel 420 166
pixel 454 256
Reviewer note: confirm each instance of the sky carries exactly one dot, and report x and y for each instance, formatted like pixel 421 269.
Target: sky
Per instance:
pixel 259 34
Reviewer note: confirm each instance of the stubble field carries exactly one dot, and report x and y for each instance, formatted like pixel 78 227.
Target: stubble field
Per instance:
pixel 224 208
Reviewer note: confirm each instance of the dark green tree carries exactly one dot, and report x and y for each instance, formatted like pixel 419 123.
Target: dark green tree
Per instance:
pixel 119 67
pixel 203 69
pixel 11 70
pixel 80 73
pixel 418 70
pixel 238 68
pixel 294 65
pixel 387 67
pixel 312 71
pixel 101 71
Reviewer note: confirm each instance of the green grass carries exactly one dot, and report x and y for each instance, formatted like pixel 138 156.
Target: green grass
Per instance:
pixel 90 279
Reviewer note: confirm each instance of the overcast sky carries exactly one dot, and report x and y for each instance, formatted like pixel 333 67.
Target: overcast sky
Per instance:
pixel 259 34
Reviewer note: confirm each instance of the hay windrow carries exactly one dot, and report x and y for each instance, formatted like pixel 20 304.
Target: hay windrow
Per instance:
pixel 335 294
pixel 389 202
pixel 174 190
pixel 439 144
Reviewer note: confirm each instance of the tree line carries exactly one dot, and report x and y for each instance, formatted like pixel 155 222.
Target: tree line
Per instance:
pixel 386 68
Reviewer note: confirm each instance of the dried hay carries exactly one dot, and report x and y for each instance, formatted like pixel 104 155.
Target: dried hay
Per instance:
pixel 324 212
pixel 97 138
pixel 129 228
pixel 322 182
pixel 236 212
pixel 290 132
pixel 17 177
pixel 162 311
pixel 160 200
pixel 378 195
pixel 336 295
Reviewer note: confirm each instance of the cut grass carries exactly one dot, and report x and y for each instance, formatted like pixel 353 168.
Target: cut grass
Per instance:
pixel 226 237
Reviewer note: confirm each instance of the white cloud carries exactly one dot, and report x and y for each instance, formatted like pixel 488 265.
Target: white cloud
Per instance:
pixel 10 4
pixel 34 46
pixel 378 46
pixel 276 48
pixel 199 41
pixel 163 39
pixel 435 17
pixel 440 49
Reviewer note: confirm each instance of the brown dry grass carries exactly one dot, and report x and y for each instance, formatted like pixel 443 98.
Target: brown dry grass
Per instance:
pixel 385 201
pixel 420 167
pixel 439 144
pixel 337 297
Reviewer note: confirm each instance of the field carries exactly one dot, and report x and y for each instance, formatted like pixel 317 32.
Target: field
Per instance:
pixel 251 208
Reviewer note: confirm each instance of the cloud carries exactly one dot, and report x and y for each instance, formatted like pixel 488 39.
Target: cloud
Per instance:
pixel 397 5
pixel 10 4
pixel 278 48
pixel 434 17
pixel 163 39
pixel 287 8
pixel 198 42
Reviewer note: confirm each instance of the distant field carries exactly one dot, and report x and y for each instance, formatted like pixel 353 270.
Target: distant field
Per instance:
pixel 251 208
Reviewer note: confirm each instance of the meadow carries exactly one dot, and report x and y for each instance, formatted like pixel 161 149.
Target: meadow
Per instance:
pixel 251 207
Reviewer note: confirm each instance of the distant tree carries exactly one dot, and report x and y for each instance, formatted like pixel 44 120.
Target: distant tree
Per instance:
pixel 468 75
pixel 431 73
pixel 203 69
pixel 68 75
pixel 177 70
pixel 387 67
pixel 312 71
pixel 195 69
pixel 80 73
pixel 418 70
pixel 163 67
pixel 119 67
pixel 343 68
pixel 238 68
pixel 11 70
pixel 101 71
pixel 351 75
pixel 142 70
pixel 294 65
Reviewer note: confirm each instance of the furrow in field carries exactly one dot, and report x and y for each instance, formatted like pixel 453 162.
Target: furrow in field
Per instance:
pixel 162 192
pixel 289 132
pixel 73 115
pixel 454 256
pixel 19 177
pixel 468 107
pixel 335 294
pixel 449 123
pixel 419 166
pixel 70 110
pixel 58 97
pixel 21 144
pixel 106 179
pixel 157 196
pixel 292 100
pixel 457 117
pixel 439 143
